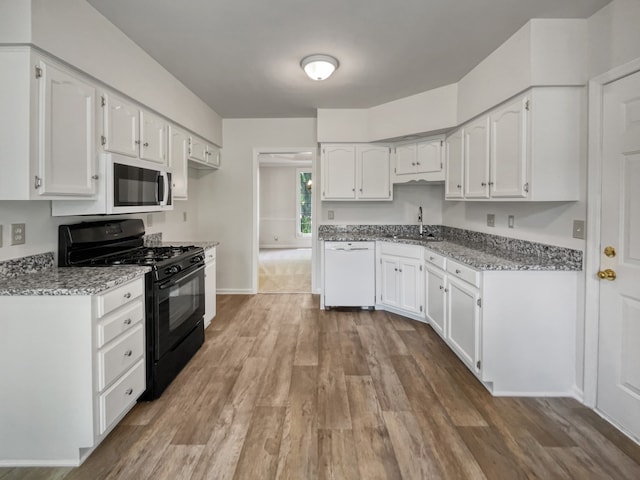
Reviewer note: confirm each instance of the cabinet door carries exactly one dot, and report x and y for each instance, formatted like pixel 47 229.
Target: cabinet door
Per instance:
pixel 120 127
pixel 339 172
pixel 178 159
pixel 389 282
pixel 66 134
pixel 435 303
pixel 476 159
pixel 509 150
pixel 454 171
pixel 429 157
pixel 213 156
pixel 411 286
pixel 463 328
pixel 209 292
pixel 374 179
pixel 405 159
pixel 197 149
pixel 153 137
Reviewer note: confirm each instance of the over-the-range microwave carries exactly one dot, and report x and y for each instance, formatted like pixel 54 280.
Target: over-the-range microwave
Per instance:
pixel 125 185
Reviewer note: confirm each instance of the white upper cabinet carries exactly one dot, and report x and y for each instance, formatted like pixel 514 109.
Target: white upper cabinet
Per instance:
pixel 47 129
pixel 356 172
pixel 529 149
pixel 202 154
pixel 66 134
pixel 508 160
pixel 120 129
pixel 153 137
pixel 419 161
pixel 454 161
pixel 476 158
pixel 178 159
pixel 129 130
pixel 372 165
pixel 338 172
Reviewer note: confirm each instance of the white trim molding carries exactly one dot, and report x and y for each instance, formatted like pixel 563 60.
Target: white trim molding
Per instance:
pixel 594 207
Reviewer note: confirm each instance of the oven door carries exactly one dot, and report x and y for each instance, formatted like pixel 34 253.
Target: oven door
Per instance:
pixel 178 307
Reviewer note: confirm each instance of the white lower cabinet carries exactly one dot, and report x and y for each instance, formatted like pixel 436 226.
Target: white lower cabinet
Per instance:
pixel 77 367
pixel 209 286
pixel 400 279
pixel 515 330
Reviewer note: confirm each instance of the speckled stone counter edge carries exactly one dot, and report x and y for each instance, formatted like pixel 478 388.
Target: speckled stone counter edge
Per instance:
pixel 33 263
pixel 508 253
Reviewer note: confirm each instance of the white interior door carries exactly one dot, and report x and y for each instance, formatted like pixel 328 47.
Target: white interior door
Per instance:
pixel 619 336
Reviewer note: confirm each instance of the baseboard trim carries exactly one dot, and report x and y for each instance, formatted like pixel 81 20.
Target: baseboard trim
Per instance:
pixel 234 291
pixel 276 247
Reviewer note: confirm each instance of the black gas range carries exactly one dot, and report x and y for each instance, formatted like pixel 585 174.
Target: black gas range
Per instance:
pixel 174 289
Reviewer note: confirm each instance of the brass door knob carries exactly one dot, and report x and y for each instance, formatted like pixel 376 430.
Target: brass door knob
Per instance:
pixel 607 274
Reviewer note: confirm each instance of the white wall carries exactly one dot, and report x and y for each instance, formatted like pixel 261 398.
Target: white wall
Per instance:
pixel 15 21
pixel 226 198
pixel 402 210
pixel 75 32
pixel 278 212
pixel 613 36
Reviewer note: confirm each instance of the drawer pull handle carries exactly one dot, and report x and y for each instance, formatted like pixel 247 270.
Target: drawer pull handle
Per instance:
pixel 127 295
pixel 441 287
pixel 128 391
pixel 432 258
pixel 128 353
pixel 458 271
pixel 127 321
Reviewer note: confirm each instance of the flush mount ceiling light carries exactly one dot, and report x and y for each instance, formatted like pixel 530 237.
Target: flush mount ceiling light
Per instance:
pixel 319 67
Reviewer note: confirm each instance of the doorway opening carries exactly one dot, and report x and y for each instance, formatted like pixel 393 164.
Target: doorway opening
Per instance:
pixel 285 224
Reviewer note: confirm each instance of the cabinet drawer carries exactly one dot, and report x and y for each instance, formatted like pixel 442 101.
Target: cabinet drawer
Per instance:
pixel 120 355
pixel 400 250
pixel 119 296
pixel 120 321
pixel 463 272
pixel 117 399
pixel 436 259
pixel 209 255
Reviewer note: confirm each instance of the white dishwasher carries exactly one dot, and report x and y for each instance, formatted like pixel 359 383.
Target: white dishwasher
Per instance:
pixel 349 274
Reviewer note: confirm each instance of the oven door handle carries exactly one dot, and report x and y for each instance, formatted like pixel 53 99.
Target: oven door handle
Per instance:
pixel 172 282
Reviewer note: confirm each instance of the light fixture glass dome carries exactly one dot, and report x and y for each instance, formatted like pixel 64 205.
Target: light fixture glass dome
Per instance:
pixel 319 67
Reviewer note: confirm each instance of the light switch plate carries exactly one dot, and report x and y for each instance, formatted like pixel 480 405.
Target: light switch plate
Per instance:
pixel 0 235
pixel 511 220
pixel 491 220
pixel 578 229
pixel 18 233
pixel 330 214
pixel 149 220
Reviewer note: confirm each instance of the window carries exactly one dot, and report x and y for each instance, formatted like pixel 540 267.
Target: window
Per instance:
pixel 303 202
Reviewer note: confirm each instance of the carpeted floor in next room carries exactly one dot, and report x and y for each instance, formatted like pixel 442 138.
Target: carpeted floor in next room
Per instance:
pixel 284 270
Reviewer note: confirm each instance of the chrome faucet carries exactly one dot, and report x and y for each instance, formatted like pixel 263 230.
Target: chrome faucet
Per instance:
pixel 420 219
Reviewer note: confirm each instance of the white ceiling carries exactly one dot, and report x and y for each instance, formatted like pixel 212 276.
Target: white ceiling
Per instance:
pixel 242 57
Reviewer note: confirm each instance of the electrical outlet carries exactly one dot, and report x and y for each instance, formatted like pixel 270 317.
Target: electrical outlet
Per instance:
pixel 0 235
pixel 184 216
pixel 491 220
pixel 578 229
pixel 511 221
pixel 18 233
pixel 330 214
pixel 149 220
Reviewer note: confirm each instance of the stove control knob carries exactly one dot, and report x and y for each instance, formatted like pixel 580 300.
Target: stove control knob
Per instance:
pixel 174 269
pixel 196 259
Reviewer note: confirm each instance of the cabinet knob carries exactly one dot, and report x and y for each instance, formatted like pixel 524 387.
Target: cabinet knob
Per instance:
pixel 353 189
pixel 360 190
pixel 137 142
pixel 128 353
pixel 458 271
pixel 127 321
pixel 127 295
pixel 95 177
pixel 483 184
pixel 446 290
pixel 145 144
pixel 128 391
pixel 417 163
pixel 400 270
pixel 441 287
pixel 459 186
pixel 413 164
pixel 431 258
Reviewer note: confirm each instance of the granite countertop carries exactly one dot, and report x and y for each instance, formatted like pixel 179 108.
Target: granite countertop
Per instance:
pixel 480 259
pixel 70 280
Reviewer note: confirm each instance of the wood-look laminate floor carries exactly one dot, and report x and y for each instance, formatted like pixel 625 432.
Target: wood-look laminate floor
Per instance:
pixel 281 389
